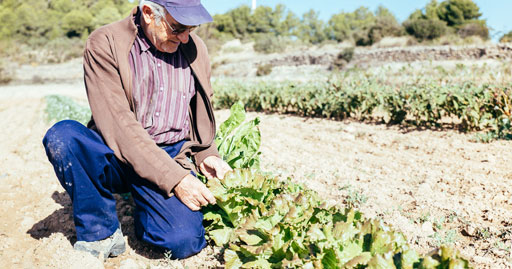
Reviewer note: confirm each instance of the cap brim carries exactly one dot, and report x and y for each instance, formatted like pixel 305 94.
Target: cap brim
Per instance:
pixel 190 15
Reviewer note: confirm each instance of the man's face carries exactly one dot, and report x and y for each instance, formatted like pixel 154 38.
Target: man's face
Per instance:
pixel 161 35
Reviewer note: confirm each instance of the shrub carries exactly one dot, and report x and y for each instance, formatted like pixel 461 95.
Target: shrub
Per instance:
pixel 6 75
pixel 60 107
pixel 474 29
pixel 263 70
pixel 425 29
pixel 343 58
pixel 269 43
pixel 506 37
pixel 64 49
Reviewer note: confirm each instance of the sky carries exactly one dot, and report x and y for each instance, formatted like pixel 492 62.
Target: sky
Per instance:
pixel 498 13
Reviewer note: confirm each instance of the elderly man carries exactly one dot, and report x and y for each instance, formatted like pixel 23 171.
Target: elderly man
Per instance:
pixel 152 128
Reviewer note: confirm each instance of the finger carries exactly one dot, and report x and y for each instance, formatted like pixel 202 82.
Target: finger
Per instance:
pixel 208 195
pixel 192 206
pixel 206 172
pixel 202 201
pixel 223 171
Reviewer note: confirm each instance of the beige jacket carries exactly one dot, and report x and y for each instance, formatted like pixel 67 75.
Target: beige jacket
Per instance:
pixel 108 82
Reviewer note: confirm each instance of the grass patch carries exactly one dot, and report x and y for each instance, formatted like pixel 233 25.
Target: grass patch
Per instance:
pixel 64 108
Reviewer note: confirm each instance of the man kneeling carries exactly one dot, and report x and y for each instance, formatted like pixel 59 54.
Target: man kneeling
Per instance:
pixel 152 128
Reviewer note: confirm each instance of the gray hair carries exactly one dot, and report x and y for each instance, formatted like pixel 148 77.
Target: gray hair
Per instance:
pixel 158 10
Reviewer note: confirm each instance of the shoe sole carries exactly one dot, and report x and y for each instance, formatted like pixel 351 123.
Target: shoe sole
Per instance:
pixel 114 252
pixel 117 250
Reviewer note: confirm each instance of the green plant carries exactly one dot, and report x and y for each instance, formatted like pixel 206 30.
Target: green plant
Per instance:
pixel 239 141
pixel 354 197
pixel 477 28
pixel 474 108
pixel 269 43
pixel 62 108
pixel 458 12
pixel 425 29
pixel 263 70
pixel 506 38
pixel 343 58
pixel 262 222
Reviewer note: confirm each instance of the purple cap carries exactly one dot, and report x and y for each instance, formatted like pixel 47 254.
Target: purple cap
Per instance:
pixel 186 12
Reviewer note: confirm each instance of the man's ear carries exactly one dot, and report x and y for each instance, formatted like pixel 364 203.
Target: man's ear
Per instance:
pixel 147 14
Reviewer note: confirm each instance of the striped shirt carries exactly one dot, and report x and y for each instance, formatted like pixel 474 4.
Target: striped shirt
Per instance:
pixel 163 86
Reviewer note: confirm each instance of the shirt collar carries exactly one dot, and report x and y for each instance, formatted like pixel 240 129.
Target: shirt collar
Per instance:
pixel 143 41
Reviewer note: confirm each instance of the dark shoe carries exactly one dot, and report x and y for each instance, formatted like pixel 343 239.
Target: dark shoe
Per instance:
pixel 111 246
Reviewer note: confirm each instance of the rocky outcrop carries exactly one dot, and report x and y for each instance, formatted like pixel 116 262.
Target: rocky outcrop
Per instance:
pixel 364 56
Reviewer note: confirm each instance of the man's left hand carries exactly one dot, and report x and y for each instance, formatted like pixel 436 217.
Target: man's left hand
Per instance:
pixel 214 167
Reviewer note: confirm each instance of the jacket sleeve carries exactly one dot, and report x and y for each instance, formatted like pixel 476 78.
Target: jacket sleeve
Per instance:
pixel 117 123
pixel 203 51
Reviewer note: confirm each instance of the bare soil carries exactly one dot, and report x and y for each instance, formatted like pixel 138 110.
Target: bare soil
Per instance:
pixel 434 186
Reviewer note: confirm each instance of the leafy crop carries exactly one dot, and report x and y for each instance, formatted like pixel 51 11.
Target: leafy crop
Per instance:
pixel 262 222
pixel 239 141
pixel 473 108
pixel 61 108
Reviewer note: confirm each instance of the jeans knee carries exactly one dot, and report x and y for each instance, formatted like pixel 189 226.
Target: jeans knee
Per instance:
pixel 181 244
pixel 58 140
pixel 184 245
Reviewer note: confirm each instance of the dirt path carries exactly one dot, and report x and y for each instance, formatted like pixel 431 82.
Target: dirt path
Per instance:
pixel 435 187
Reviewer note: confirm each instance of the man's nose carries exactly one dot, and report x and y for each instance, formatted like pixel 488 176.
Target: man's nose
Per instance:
pixel 183 37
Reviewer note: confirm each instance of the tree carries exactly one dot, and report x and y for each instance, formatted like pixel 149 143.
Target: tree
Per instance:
pixel 311 29
pixel 224 23
pixel 77 22
pixel 106 15
pixel 290 23
pixel 386 25
pixel 242 19
pixel 457 12
pixel 354 25
pixel 506 38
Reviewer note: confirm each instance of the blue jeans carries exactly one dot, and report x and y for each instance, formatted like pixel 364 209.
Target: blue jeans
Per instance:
pixel 90 173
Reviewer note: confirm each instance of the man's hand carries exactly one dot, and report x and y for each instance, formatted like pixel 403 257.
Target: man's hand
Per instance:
pixel 193 193
pixel 214 167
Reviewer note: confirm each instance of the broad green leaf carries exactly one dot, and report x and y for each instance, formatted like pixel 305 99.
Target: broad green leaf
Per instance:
pixel 382 243
pixel 221 236
pixel 409 257
pixel 212 216
pixel 329 260
pixel 250 238
pixel 235 119
pixel 232 260
pixel 383 261
pixel 362 259
pixel 260 263
pixel 429 263
pixel 351 251
pixel 315 233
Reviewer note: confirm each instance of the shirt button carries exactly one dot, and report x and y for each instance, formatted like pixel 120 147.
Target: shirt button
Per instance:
pixel 161 89
pixel 159 64
pixel 184 96
pixel 157 114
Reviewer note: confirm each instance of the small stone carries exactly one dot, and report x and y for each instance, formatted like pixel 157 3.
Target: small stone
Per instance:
pixel 129 264
pixel 469 230
pixel 27 221
pixel 427 229
pixel 424 188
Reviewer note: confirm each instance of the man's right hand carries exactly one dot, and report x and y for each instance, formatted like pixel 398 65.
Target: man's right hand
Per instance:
pixel 193 193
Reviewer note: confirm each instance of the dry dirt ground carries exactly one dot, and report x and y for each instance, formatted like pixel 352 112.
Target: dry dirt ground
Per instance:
pixel 434 186
pixel 437 187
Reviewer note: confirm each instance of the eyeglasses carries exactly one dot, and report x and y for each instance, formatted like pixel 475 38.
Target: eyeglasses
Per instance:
pixel 177 31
